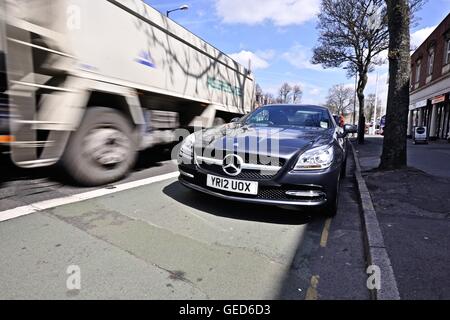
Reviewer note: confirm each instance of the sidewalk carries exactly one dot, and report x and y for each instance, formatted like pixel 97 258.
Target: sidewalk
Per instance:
pixel 433 158
pixel 413 209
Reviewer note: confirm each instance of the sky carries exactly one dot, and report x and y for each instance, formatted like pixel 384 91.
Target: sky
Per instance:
pixel 278 36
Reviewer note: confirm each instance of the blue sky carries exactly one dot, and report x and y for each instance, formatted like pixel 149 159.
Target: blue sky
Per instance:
pixel 278 35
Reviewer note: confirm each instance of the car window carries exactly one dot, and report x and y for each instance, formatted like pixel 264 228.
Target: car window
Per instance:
pixel 261 117
pixel 300 116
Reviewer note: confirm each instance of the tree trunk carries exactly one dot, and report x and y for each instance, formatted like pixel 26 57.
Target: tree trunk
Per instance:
pixel 395 142
pixel 361 98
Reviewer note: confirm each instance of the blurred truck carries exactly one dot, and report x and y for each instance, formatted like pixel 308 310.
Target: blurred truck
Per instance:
pixel 87 84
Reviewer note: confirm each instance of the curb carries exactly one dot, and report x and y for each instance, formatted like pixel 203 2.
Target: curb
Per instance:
pixel 375 249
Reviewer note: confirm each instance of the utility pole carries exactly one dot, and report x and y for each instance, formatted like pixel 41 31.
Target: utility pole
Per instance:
pixel 354 99
pixel 375 109
pixel 181 8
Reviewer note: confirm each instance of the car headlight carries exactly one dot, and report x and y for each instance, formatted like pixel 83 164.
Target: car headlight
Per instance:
pixel 316 159
pixel 187 148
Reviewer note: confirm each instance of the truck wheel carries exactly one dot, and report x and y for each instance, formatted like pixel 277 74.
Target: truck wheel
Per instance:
pixel 102 150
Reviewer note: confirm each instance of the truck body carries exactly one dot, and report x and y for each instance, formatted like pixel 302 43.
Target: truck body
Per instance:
pixel 68 67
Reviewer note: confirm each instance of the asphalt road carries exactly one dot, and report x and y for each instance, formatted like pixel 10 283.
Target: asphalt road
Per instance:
pixel 162 241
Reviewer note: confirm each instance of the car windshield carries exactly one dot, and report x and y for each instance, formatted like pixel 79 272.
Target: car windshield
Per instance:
pixel 290 116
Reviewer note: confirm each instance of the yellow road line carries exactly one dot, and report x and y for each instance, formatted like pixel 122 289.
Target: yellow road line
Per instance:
pixel 325 233
pixel 312 293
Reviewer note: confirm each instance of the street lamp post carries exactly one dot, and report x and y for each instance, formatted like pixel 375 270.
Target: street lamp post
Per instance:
pixel 354 99
pixel 375 111
pixel 182 8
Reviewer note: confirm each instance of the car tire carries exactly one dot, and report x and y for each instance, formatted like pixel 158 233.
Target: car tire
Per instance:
pixel 330 209
pixel 102 150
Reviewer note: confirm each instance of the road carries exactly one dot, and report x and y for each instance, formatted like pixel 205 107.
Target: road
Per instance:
pixel 154 239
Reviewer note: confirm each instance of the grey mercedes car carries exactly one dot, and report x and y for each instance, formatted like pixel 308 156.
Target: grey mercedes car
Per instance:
pixel 283 155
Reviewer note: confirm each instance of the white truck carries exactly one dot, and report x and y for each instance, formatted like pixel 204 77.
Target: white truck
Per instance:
pixel 86 84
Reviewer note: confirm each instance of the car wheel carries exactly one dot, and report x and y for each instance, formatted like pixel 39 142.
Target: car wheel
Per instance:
pixel 102 150
pixel 331 207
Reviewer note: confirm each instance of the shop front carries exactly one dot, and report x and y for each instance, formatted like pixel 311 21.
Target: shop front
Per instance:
pixel 418 113
pixel 434 114
pixel 440 120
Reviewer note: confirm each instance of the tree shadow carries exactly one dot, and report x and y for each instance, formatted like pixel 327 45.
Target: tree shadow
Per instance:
pixel 236 210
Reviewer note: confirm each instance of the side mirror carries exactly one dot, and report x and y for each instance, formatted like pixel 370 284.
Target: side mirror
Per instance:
pixel 349 128
pixel 235 120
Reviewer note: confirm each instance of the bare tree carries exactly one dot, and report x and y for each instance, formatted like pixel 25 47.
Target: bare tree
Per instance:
pixel 259 95
pixel 284 92
pixel 297 94
pixel 370 107
pixel 352 34
pixel 340 100
pixel 268 98
pixel 395 141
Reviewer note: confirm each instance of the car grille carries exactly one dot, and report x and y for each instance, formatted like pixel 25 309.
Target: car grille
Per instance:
pixel 245 174
pixel 248 157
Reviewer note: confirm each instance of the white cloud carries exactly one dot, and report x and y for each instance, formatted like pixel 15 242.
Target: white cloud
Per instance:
pixel 266 54
pixel 418 37
pixel 315 91
pixel 279 12
pixel 244 57
pixel 300 57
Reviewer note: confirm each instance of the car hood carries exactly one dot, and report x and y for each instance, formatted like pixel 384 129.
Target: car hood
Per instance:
pixel 280 141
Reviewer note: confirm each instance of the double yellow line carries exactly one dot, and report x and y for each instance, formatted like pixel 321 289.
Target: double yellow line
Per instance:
pixel 312 293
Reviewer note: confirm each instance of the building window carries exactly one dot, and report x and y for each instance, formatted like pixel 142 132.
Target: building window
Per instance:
pixel 411 84
pixel 430 61
pixel 447 52
pixel 418 67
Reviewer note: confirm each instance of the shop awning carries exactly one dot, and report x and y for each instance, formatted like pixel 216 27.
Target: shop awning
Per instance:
pixel 418 105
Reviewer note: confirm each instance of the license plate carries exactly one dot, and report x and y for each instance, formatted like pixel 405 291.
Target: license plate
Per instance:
pixel 231 185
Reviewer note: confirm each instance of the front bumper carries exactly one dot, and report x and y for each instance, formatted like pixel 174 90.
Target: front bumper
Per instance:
pixel 277 191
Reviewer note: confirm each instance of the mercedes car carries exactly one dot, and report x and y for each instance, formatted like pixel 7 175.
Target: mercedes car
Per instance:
pixel 283 155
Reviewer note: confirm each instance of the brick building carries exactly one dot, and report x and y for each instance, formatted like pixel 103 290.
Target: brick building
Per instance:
pixel 430 84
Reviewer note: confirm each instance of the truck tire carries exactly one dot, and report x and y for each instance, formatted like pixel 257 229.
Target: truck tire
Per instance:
pixel 102 150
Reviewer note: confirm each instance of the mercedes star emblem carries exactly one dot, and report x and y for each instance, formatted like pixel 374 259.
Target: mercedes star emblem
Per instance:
pixel 232 165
